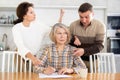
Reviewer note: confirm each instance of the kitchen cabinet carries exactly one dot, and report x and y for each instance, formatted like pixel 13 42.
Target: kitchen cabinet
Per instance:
pixel 7 16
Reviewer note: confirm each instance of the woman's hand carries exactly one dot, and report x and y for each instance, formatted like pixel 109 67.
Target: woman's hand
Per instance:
pixel 65 70
pixel 49 70
pixel 36 61
pixel 61 15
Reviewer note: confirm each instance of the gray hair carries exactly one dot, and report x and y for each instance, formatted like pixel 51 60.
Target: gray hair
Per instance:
pixel 53 31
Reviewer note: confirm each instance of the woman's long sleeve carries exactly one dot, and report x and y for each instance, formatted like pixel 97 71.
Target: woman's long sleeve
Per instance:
pixel 19 42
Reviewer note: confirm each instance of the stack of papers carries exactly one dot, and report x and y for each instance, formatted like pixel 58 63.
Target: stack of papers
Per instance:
pixel 54 75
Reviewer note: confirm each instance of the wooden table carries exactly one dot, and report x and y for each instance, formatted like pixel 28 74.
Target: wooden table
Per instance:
pixel 33 76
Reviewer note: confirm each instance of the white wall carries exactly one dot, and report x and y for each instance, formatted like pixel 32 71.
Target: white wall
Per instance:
pixel 54 2
pixel 113 6
pixel 50 15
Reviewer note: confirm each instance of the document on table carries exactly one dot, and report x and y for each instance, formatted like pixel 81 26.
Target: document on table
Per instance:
pixel 54 75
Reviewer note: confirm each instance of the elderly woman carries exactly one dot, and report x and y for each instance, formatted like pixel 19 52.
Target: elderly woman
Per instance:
pixel 58 57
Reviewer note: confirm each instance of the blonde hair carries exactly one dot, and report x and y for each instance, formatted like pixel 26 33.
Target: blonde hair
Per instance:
pixel 53 32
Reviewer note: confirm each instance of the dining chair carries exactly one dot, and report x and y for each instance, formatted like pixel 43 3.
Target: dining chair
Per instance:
pixel 102 63
pixel 13 62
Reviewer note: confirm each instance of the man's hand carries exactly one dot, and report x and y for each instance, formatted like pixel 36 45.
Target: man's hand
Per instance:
pixel 78 51
pixel 49 70
pixel 77 41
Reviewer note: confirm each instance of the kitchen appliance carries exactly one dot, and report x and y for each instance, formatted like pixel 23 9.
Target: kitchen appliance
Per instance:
pixel 114 45
pixel 113 33
pixel 113 21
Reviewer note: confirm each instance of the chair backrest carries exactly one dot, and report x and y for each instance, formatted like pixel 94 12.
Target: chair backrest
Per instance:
pixel 102 63
pixel 13 62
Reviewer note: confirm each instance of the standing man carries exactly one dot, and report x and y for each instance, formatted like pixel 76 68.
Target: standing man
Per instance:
pixel 88 34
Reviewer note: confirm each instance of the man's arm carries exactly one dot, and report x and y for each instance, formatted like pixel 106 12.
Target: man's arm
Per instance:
pixel 98 45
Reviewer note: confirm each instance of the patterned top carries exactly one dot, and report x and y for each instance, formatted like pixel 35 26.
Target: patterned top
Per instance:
pixel 59 60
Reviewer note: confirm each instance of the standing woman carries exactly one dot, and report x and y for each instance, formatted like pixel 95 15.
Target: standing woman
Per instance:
pixel 27 32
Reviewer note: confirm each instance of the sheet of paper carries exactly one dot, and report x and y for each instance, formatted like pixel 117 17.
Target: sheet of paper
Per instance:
pixel 54 75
